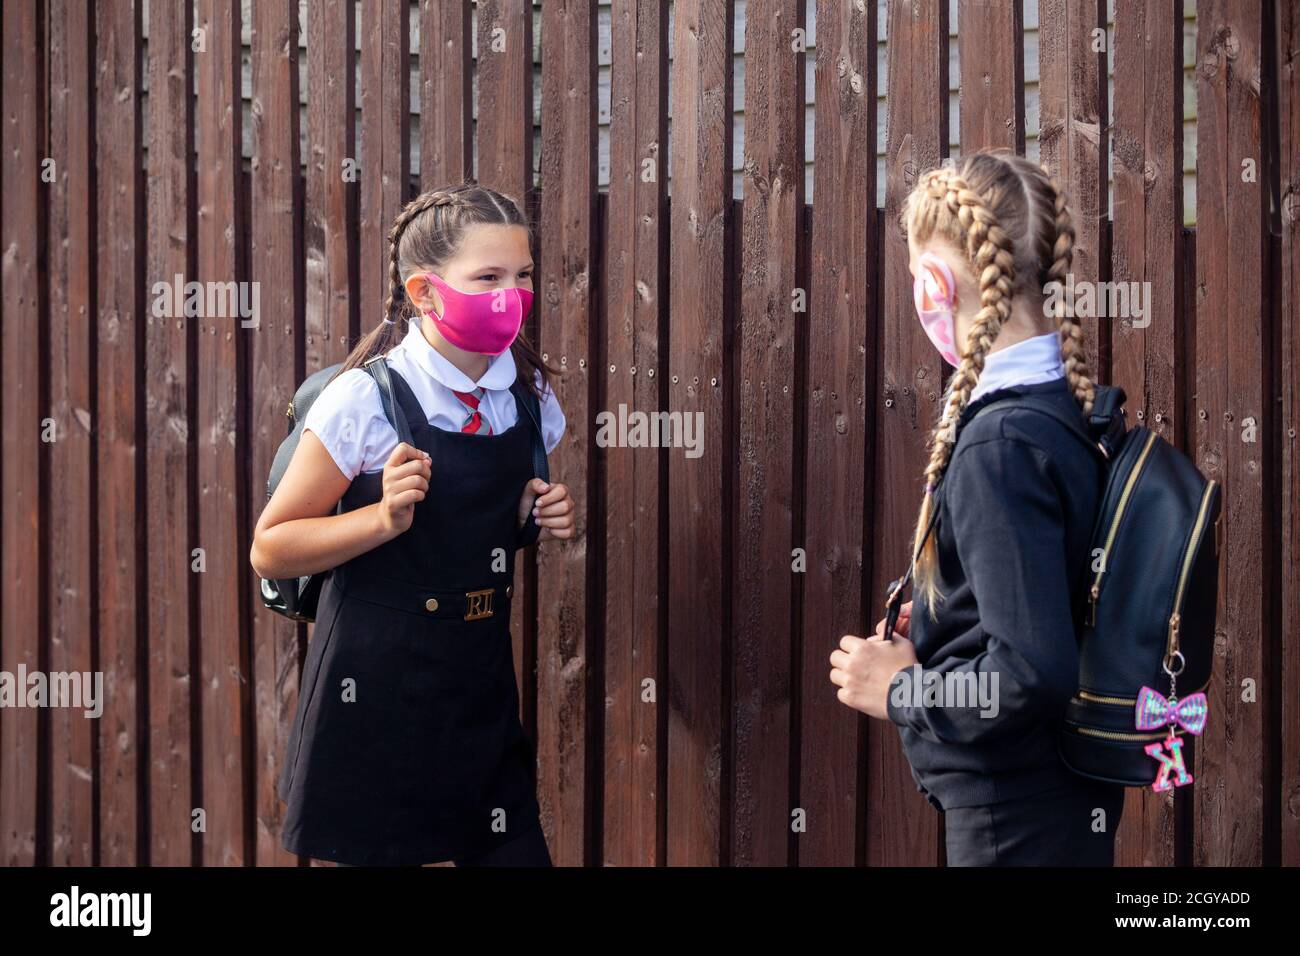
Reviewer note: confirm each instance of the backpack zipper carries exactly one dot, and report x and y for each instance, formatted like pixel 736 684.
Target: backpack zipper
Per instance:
pixel 1116 735
pixel 1198 529
pixel 1094 595
pixel 1084 695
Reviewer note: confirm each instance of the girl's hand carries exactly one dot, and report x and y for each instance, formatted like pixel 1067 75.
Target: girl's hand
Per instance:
pixel 551 505
pixel 902 626
pixel 406 481
pixel 864 669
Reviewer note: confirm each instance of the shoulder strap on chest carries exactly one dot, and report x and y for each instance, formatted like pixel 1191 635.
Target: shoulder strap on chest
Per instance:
pixel 527 399
pixel 391 388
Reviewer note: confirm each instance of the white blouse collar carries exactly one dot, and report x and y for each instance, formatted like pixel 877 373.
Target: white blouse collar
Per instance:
pixel 1029 362
pixel 500 374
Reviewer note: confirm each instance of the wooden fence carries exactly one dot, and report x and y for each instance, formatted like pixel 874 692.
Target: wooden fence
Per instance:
pixel 136 445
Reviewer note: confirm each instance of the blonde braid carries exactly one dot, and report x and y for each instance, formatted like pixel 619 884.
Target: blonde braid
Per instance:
pixel 1072 354
pixel 945 202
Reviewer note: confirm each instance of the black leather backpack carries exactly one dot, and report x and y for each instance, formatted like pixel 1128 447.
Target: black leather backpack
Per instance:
pixel 1147 616
pixel 296 598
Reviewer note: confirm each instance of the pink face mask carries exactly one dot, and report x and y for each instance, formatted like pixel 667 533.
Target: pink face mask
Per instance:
pixel 934 306
pixel 485 322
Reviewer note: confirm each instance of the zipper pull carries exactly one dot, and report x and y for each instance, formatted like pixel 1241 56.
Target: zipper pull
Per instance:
pixel 1172 648
pixel 1093 596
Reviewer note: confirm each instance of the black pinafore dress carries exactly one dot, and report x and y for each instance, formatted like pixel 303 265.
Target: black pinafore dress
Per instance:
pixel 406 746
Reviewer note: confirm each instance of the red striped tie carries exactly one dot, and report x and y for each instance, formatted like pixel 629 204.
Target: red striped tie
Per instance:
pixel 476 419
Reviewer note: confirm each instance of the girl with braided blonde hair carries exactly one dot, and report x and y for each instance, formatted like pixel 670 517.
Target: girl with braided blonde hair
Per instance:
pixel 977 679
pixel 406 747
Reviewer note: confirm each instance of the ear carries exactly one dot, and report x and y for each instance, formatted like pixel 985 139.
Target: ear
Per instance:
pixel 935 281
pixel 422 294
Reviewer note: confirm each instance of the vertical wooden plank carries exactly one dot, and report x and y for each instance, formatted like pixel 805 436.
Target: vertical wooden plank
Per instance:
pixel 505 96
pixel 504 161
pixel 330 219
pixel 699 489
pixel 72 250
pixel 902 828
pixel 1231 395
pixel 762 594
pixel 567 322
pixel 990 43
pixel 169 340
pixel 118 427
pixel 635 557
pixel 841 423
pixel 222 444
pixel 1072 137
pixel 446 111
pixel 1288 40
pixel 385 138
pixel 1146 250
pixel 276 268
pixel 21 234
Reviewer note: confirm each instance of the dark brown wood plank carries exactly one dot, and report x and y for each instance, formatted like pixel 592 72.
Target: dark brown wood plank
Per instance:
pixel 276 265
pixel 22 134
pixel 71 249
pixel 1230 394
pixel 763 589
pixel 504 161
pixel 385 143
pixel 699 489
pixel 222 443
pixel 330 218
pixel 1072 139
pixel 901 827
pixel 1146 249
pixel 566 317
pixel 635 556
pixel 446 110
pixel 169 343
pixel 841 392
pixel 119 437
pixel 991 48
pixel 1288 41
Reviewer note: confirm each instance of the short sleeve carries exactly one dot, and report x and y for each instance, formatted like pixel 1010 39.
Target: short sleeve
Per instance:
pixel 553 421
pixel 350 422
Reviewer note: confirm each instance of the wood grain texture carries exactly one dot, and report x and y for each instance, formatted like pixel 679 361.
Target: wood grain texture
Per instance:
pixel 990 41
pixel 72 249
pixel 1147 255
pixel 1232 393
pixel 841 420
pixel 1288 41
pixel 169 345
pixel 118 427
pixel 635 326
pixel 447 139
pixel 901 827
pixel 330 216
pixel 222 439
pixel 275 367
pixel 771 304
pixel 567 319
pixel 699 488
pixel 1073 140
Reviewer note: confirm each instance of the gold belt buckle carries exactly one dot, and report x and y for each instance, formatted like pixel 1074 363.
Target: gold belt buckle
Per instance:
pixel 478 604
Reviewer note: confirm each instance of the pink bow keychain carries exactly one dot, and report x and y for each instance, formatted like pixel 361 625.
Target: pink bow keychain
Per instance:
pixel 1155 711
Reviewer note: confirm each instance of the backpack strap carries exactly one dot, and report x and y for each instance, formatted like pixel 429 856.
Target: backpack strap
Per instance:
pixel 394 408
pixel 527 399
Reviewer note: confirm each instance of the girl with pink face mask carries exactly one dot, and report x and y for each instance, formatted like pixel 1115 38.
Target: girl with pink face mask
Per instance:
pixel 1002 541
pixel 406 747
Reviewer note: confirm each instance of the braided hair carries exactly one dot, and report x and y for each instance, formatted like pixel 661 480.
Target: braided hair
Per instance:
pixel 1012 222
pixel 427 233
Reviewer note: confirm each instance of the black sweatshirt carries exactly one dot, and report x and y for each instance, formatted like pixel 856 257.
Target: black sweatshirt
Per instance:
pixel 1016 512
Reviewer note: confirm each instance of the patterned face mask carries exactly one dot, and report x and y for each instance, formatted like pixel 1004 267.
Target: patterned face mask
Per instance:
pixel 934 305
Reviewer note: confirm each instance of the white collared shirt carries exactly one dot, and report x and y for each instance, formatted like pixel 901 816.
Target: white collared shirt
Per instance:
pixel 1029 362
pixel 349 420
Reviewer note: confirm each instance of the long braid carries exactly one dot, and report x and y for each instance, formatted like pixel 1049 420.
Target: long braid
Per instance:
pixel 944 202
pixel 1072 354
pixel 396 287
